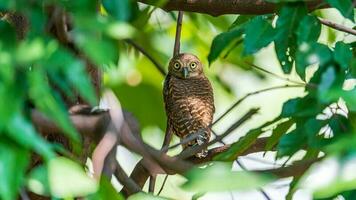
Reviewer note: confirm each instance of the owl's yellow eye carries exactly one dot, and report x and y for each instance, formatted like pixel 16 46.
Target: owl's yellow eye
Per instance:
pixel 193 65
pixel 176 65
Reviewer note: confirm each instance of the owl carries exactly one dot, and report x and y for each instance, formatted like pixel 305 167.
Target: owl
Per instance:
pixel 189 100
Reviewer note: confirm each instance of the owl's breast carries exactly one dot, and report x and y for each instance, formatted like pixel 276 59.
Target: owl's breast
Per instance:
pixel 189 104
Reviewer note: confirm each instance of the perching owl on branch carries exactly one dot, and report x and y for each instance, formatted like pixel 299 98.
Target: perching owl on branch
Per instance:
pixel 189 100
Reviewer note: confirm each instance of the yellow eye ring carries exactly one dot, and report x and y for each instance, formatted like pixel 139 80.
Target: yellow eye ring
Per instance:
pixel 193 65
pixel 176 65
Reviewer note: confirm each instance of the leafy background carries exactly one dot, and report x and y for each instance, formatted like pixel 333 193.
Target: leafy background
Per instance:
pixel 319 59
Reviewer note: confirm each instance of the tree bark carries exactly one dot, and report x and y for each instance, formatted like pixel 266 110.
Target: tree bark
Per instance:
pixel 222 7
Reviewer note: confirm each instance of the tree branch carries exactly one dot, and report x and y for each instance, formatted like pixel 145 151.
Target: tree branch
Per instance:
pixel 126 181
pixel 140 174
pixel 176 49
pixel 221 7
pixel 158 66
pixel 258 146
pixel 337 26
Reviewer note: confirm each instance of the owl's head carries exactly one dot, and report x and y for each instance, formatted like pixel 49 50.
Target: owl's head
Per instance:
pixel 185 66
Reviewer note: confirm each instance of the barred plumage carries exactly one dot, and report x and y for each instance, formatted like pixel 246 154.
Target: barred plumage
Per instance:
pixel 189 100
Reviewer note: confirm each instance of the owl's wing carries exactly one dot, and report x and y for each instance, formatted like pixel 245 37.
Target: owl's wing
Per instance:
pixel 166 91
pixel 210 97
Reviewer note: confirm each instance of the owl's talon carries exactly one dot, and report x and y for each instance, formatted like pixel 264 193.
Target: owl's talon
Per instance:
pixel 202 154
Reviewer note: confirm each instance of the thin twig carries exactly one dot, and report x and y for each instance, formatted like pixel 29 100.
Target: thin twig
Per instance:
pixel 152 184
pixel 158 66
pixel 162 186
pixel 262 161
pixel 176 49
pixel 337 26
pixel 259 189
pixel 251 94
pixel 275 75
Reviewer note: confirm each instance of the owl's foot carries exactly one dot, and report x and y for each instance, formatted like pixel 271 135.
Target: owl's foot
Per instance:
pixel 202 154
pixel 202 139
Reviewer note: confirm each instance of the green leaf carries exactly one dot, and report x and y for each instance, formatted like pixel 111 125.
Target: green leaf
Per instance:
pixel 11 97
pixel 344 6
pixel 312 128
pixel 120 30
pixel 98 47
pixel 40 94
pixel 240 20
pixel 7 5
pixel 341 179
pixel 277 133
pixel 300 107
pixel 286 26
pixel 78 77
pixel 311 53
pixel 22 131
pixel 145 196
pixel 259 33
pixel 352 71
pixel 291 142
pixel 131 99
pixel 343 54
pixel 243 143
pixel 327 80
pixel 106 191
pixel 336 92
pixel 308 30
pixel 100 51
pixel 119 9
pixel 290 107
pixel 30 51
pixel 68 74
pixel 13 164
pixel 222 41
pixel 205 180
pixel 8 35
pixel 68 179
pixel 348 195
pixel 37 181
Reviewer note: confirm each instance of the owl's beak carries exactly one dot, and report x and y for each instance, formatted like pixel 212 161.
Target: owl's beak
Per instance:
pixel 185 72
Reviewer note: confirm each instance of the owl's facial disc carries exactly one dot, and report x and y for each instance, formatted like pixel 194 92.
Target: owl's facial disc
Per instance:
pixel 185 66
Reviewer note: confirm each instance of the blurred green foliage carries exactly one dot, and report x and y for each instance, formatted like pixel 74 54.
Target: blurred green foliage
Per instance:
pixel 38 68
